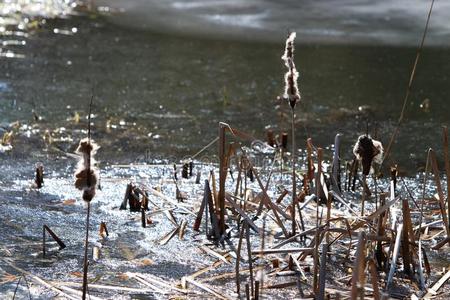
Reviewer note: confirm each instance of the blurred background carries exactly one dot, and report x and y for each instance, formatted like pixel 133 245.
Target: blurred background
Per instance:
pixel 164 73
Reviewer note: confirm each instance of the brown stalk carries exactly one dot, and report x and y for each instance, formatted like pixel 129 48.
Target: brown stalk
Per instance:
pixel 425 178
pixel 374 279
pixel 238 258
pixel 405 238
pixel 54 236
pixel 323 262
pixel 328 216
pixel 269 202
pixel 437 179
pixel 379 253
pixel 359 266
pixel 256 290
pixel 223 167
pixel 309 148
pixel 447 166
pixel 39 176
pixel 198 219
pixel 249 253
pixel 336 166
pixel 363 196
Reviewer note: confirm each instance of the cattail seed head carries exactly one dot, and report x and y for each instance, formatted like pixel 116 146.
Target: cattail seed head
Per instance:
pixel 291 92
pixel 86 175
pixel 368 150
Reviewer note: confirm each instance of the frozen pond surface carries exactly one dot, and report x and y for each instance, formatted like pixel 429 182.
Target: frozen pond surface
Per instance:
pixel 160 90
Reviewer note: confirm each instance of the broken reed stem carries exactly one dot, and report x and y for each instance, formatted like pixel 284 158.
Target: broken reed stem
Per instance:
pixel 143 220
pixel 323 262
pixel 238 258
pixel 309 148
pixel 54 236
pixel 319 188
pixel 329 198
pixel 363 202
pixel 427 166
pixel 359 266
pixel 374 279
pixel 317 235
pixel 198 219
pixel 420 267
pixel 336 166
pixel 43 241
pixel 441 196
pixel 294 185
pixel 85 261
pixel 249 253
pixel 447 167
pixel 222 176
pixel 394 256
pixel 405 238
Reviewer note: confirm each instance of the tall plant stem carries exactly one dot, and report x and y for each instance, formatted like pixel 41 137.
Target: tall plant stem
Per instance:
pixel 294 185
pixel 86 241
pixel 408 89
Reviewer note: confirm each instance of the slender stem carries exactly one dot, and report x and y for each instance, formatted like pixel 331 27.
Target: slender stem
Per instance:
pixel 86 241
pixel 294 185
pixel 408 89
pixel 425 178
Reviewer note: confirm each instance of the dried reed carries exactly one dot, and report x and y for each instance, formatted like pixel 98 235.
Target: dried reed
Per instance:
pixel 86 178
pixel 292 95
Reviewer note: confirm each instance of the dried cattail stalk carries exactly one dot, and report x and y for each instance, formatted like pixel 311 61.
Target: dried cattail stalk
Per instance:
pixel 86 175
pixel 185 170
pixel 86 178
pixel 284 140
pixel 368 150
pixel 39 176
pixel 292 95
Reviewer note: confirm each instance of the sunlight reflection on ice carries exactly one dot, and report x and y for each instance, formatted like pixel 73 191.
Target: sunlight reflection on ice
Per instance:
pixel 17 17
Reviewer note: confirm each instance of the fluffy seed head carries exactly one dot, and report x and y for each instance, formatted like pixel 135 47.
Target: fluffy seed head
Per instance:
pixel 291 92
pixel 368 150
pixel 86 175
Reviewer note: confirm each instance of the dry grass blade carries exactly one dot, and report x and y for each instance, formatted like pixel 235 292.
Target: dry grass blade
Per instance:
pixel 214 254
pixel 285 250
pixel 39 280
pixel 207 289
pixel 169 236
pixel 435 288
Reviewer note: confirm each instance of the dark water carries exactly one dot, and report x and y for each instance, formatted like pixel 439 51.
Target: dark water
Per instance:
pixel 162 95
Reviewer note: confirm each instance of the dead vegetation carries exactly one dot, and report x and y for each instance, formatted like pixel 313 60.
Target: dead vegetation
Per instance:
pixel 293 228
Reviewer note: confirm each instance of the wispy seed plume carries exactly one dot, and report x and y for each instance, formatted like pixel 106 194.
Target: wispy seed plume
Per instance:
pixel 291 92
